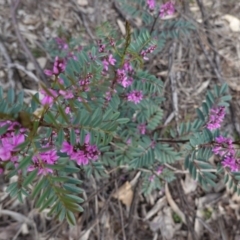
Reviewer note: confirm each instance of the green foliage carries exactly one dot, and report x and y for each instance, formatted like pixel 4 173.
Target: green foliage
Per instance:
pixel 99 115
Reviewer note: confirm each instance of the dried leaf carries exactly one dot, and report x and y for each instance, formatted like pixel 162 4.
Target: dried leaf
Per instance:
pixel 125 194
pixel 165 223
pixel 189 184
pixel 234 23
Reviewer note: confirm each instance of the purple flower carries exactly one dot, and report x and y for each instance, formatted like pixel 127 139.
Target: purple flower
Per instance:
pixel 82 155
pixel 151 178
pixel 48 98
pixel 109 61
pixel 223 146
pixel 232 163
pixel 151 4
pixel 135 96
pixel 58 67
pixel 105 64
pixel 216 117
pixel 61 43
pixel 39 160
pixel 8 145
pixel 147 51
pixel 67 148
pixel 92 152
pixel 124 75
pixel 142 128
pixel 160 170
pixel 66 93
pixel 167 9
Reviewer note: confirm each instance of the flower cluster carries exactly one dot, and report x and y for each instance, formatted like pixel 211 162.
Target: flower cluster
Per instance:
pixel 224 148
pixel 110 60
pixel 151 4
pixel 159 171
pixel 124 75
pixel 58 67
pixel 81 154
pixel 142 128
pixel 61 43
pixel 9 141
pixel 216 117
pixel 147 51
pixel 48 97
pixel 135 96
pixel 42 159
pixel 167 9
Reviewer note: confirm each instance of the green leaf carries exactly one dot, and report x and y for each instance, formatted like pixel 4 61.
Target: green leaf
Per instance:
pixel 123 120
pixel 223 88
pixel 70 218
pixel 226 98
pixel 10 95
pixel 72 136
pixel 47 203
pixel 39 187
pixel 30 178
pixel 200 114
pixel 43 196
pixel 25 162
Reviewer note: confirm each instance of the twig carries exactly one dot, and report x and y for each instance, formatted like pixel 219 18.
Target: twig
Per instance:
pixel 14 6
pixel 22 68
pixel 20 218
pixel 172 77
pixel 8 59
pixel 188 221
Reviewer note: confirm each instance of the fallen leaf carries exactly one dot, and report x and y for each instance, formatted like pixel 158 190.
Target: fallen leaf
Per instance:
pixel 121 26
pixel 189 184
pixel 234 23
pixel 125 194
pixel 165 223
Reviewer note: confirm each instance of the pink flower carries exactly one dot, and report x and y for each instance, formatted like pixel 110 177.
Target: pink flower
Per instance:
pixel 8 145
pixel 105 64
pixel 61 43
pixel 41 159
pixel 232 163
pixel 58 67
pixel 167 9
pixel 223 146
pixel 216 117
pixel 67 148
pixel 160 170
pixel 147 51
pixel 108 61
pixel 67 110
pixel 48 98
pixel 111 60
pixel 142 128
pixel 151 4
pixel 151 178
pixel 84 154
pixel 135 96
pixel 66 93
